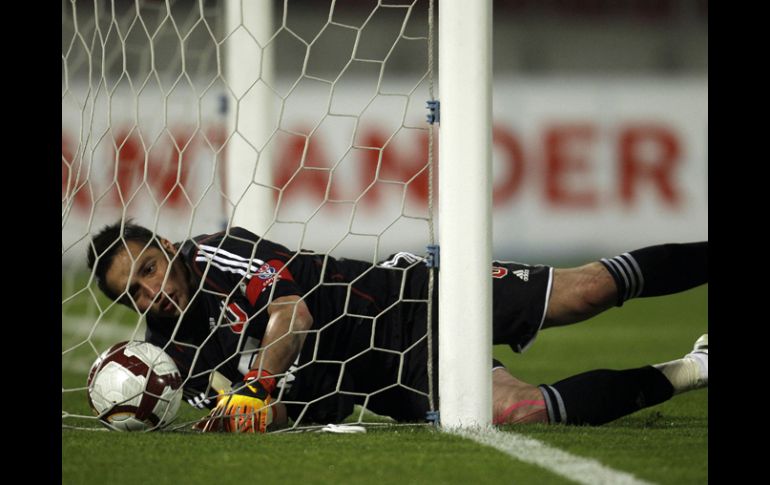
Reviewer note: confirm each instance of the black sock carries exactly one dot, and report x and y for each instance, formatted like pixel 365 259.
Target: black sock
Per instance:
pixel 659 270
pixel 600 396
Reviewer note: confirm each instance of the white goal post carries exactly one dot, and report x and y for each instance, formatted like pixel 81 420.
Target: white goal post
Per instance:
pixel 250 73
pixel 465 212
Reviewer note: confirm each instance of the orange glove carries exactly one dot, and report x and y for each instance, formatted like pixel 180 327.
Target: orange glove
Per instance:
pixel 246 410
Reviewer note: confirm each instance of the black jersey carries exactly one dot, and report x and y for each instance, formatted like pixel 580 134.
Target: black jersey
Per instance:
pixel 368 341
pixel 360 311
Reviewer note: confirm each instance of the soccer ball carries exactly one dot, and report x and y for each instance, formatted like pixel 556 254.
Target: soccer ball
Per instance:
pixel 134 386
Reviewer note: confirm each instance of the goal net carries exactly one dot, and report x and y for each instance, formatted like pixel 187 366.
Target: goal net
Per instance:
pixel 302 121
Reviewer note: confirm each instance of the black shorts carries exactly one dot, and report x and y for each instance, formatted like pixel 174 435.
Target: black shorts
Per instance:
pixel 520 296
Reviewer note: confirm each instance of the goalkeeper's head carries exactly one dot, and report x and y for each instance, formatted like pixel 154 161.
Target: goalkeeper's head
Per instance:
pixel 135 267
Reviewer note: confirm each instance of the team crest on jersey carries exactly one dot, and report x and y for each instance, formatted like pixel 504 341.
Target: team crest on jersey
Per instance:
pixel 266 276
pixel 267 272
pixel 235 316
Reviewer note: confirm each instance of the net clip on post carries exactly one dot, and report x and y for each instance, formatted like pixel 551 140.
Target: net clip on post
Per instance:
pixel 434 111
pixel 433 417
pixel 434 256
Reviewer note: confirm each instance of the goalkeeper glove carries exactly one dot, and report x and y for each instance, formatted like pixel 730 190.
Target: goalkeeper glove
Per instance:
pixel 246 410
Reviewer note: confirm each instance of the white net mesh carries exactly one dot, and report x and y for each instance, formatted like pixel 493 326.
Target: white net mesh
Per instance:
pixel 153 118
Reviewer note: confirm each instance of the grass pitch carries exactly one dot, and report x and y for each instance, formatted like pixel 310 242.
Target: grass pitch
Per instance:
pixel 665 444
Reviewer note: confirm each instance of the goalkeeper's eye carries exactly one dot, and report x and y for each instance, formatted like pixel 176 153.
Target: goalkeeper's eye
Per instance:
pixel 149 269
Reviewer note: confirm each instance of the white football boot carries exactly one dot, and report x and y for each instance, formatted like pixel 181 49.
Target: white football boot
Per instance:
pixel 691 371
pixel 700 353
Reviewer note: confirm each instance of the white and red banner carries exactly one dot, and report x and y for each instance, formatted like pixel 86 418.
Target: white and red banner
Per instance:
pixel 582 166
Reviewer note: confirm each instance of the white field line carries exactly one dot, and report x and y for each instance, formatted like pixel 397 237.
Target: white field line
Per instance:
pixel 567 465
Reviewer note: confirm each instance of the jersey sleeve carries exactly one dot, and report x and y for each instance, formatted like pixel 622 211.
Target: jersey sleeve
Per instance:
pixel 241 261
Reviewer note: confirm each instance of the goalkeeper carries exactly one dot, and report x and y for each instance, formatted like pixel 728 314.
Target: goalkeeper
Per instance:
pixel 309 336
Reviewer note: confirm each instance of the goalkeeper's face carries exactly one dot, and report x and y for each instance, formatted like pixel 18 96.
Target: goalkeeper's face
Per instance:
pixel 149 279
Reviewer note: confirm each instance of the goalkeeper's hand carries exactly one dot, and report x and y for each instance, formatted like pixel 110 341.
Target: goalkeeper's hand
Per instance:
pixel 245 410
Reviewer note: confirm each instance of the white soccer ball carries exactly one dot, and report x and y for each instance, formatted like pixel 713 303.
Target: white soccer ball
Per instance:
pixel 134 386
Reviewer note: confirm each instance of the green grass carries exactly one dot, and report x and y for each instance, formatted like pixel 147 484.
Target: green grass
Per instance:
pixel 664 444
pixel 387 456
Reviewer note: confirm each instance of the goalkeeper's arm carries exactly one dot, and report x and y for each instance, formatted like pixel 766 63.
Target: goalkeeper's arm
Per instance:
pixel 289 321
pixel 249 407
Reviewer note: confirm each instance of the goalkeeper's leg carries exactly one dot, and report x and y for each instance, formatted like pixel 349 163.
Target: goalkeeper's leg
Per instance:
pixel 583 292
pixel 515 401
pixel 599 396
pixel 594 397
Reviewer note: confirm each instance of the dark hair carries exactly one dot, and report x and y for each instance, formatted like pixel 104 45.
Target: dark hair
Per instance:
pixel 108 242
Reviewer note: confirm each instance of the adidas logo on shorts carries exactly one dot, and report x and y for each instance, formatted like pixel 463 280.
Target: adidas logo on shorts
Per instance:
pixel 523 274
